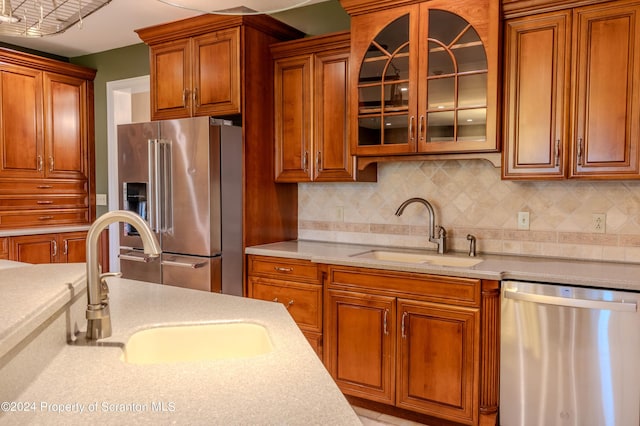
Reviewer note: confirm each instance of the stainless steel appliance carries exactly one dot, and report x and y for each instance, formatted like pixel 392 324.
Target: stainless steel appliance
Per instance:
pixel 569 356
pixel 185 178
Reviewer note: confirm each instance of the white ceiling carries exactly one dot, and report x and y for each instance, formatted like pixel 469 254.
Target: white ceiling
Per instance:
pixel 110 27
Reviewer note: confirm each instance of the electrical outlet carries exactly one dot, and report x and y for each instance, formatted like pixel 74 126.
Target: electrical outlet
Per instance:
pixel 598 223
pixel 339 214
pixel 523 220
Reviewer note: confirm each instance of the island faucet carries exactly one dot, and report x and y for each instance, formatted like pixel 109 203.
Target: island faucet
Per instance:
pixel 441 240
pixel 98 317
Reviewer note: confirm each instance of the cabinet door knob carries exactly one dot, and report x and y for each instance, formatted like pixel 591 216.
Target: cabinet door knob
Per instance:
pixel 54 248
pixel 40 162
pixel 290 303
pixel 51 163
pixel 421 127
pixel 282 269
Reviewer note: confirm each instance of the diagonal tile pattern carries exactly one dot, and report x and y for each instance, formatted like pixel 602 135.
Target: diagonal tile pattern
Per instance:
pixel 470 197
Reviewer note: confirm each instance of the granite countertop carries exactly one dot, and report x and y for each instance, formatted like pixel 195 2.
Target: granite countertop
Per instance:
pixel 43 230
pixel 287 386
pixel 611 275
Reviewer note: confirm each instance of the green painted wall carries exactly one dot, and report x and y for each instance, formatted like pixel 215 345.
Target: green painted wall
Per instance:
pixel 116 64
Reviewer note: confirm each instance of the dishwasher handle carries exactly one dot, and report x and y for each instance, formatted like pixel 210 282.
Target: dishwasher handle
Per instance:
pixel 621 306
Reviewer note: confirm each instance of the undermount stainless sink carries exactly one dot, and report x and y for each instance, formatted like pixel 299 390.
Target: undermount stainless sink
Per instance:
pixel 409 257
pixel 192 343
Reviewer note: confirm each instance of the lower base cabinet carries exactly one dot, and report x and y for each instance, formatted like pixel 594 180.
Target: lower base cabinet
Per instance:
pixel 412 341
pixel 65 247
pixel 295 283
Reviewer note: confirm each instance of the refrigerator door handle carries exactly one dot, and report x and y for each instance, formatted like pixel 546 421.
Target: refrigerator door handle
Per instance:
pixel 166 215
pixel 153 200
pixel 192 265
pixel 570 302
pixel 141 259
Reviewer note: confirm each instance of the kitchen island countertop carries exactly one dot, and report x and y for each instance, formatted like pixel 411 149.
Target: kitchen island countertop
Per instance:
pixel 611 275
pixel 83 383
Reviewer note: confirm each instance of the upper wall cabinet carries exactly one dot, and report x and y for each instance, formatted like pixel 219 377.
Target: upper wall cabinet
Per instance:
pixel 196 76
pixel 311 110
pixel 197 64
pixel 424 76
pixel 571 96
pixel 42 141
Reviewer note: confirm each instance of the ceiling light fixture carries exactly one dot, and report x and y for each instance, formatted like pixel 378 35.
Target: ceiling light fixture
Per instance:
pixel 236 7
pixel 38 18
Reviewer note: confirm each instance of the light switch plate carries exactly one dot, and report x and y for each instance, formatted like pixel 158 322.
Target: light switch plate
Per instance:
pixel 101 199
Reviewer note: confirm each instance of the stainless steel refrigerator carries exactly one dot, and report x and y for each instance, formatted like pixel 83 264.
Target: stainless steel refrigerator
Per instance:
pixel 184 177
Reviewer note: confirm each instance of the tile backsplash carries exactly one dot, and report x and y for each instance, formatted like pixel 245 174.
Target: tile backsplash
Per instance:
pixel 469 197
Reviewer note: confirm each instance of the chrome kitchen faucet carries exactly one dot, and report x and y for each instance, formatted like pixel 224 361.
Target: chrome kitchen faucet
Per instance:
pixel 98 318
pixel 441 241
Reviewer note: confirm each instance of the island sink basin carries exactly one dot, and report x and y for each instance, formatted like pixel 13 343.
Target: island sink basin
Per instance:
pixel 409 257
pixel 193 343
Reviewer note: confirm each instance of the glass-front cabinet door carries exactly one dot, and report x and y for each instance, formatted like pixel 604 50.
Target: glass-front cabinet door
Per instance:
pixel 425 80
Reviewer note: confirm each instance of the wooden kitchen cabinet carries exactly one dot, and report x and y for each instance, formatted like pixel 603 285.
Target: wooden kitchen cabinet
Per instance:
pixel 571 96
pixel 424 76
pixel 414 341
pixel 4 248
pixel 21 118
pixel 43 141
pixel 297 285
pixel 46 142
pixel 48 248
pixel 311 110
pixel 196 76
pixel 65 142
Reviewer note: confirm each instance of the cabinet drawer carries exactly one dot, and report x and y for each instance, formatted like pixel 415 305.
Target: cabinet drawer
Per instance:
pixel 289 269
pixel 41 187
pixel 53 201
pixel 432 288
pixel 29 218
pixel 304 301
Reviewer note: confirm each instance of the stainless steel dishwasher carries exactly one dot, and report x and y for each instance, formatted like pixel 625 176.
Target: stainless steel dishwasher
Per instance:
pixel 569 356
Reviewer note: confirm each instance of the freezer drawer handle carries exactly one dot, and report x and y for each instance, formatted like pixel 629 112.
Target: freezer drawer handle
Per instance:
pixel 194 265
pixel 142 259
pixel 569 302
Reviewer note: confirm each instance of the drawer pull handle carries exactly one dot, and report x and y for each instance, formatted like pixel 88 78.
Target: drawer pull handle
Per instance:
pixel 44 202
pixel 288 305
pixel 45 218
pixel 282 269
pixel 44 186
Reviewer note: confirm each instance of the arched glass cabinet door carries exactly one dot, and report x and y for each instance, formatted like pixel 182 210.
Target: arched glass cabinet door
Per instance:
pixel 422 91
pixel 383 88
pixel 454 105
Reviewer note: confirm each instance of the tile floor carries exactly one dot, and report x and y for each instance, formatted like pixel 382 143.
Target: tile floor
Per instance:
pixel 373 418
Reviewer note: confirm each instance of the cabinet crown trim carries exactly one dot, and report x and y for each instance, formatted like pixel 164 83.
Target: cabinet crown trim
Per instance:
pixel 207 23
pixel 315 44
pixel 359 7
pixel 41 63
